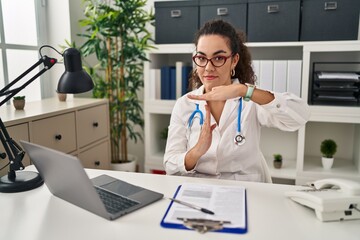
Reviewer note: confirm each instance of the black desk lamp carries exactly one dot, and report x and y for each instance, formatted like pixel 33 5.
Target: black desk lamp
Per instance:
pixel 73 80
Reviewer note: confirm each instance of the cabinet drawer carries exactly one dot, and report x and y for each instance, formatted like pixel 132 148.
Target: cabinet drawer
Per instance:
pixel 16 132
pixel 96 157
pixel 92 124
pixel 55 132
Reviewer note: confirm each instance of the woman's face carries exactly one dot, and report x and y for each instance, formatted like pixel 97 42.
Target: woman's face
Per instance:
pixel 215 47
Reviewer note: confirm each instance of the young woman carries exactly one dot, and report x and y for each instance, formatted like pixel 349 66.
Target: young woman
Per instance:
pixel 215 129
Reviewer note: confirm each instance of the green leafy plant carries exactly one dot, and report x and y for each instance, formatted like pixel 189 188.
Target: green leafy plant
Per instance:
pixel 277 157
pixel 19 98
pixel 117 33
pixel 328 148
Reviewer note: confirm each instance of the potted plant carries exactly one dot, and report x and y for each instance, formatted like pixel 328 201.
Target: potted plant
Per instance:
pixel 19 102
pixel 328 149
pixel 277 160
pixel 117 33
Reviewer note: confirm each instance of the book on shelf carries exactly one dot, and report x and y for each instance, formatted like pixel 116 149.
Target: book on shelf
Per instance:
pixel 174 80
pixel 166 81
pixel 155 84
pixel 278 75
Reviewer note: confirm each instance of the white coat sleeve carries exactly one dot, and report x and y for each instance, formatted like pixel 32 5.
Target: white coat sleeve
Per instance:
pixel 286 112
pixel 176 145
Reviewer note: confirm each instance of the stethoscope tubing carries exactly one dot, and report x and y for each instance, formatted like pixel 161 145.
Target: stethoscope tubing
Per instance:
pixel 239 138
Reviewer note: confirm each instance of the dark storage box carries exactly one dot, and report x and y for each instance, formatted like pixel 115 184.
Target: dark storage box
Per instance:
pixel 176 21
pixel 324 20
pixel 232 11
pixel 273 21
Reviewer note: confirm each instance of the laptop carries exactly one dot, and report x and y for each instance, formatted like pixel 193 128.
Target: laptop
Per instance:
pixel 104 195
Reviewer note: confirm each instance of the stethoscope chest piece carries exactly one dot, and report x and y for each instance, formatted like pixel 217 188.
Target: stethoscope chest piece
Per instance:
pixel 239 139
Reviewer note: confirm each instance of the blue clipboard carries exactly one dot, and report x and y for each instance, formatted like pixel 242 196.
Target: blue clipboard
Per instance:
pixel 224 230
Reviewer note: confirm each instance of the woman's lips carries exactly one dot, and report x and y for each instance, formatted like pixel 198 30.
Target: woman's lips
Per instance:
pixel 209 77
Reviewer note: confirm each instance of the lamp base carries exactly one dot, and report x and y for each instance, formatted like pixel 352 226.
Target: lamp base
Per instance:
pixel 23 181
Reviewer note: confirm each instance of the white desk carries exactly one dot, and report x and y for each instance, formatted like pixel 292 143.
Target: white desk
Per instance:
pixel 37 215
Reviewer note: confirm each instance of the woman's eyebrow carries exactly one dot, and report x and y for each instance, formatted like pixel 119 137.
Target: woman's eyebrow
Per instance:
pixel 215 53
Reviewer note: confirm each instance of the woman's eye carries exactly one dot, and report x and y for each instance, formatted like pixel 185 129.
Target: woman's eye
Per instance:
pixel 219 58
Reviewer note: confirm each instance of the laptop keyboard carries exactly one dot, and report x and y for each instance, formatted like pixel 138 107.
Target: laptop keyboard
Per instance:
pixel 115 203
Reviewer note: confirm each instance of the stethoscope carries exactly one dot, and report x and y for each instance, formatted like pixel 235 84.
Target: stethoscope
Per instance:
pixel 239 138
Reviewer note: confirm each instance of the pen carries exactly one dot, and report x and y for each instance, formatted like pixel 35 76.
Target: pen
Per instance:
pixel 204 210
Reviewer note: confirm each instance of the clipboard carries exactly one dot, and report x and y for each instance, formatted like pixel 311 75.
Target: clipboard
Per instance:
pixel 203 225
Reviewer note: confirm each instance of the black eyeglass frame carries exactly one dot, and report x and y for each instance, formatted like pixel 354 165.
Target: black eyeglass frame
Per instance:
pixel 210 60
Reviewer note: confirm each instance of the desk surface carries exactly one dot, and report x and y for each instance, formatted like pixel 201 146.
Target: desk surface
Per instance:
pixel 38 215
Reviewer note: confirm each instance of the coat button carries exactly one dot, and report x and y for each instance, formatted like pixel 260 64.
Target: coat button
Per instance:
pixel 278 105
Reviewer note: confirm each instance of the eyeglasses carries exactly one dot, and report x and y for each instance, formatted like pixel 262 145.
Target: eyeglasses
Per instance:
pixel 217 61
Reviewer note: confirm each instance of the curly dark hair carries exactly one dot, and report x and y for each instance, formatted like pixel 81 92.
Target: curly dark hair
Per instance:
pixel 236 39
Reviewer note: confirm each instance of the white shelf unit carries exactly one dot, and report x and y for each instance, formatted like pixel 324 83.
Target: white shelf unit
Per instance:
pixel 300 149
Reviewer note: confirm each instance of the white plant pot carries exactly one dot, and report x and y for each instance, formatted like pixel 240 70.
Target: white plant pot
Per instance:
pixel 126 167
pixel 327 162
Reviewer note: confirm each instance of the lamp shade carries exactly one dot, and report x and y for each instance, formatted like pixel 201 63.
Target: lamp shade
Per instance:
pixel 74 79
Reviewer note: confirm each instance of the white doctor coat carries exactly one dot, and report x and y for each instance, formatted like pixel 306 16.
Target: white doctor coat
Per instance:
pixel 225 159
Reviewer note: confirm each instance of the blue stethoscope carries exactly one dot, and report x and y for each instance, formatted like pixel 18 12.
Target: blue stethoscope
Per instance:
pixel 239 137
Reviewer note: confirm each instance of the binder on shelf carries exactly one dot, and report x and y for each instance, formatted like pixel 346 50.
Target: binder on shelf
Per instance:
pixel 155 84
pixel 266 74
pixel 256 67
pixel 172 89
pixel 280 69
pixel 230 213
pixel 182 78
pixel 179 68
pixel 166 81
pixel 294 77
pixel 186 70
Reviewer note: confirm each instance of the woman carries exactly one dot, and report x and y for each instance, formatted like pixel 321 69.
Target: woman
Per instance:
pixel 215 129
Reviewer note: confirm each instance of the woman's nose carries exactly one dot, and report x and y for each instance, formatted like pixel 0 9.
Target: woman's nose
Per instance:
pixel 209 66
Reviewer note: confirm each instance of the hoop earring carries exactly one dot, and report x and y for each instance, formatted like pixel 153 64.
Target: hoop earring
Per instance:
pixel 233 72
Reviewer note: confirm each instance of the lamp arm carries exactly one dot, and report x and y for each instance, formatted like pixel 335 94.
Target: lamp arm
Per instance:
pixel 48 63
pixel 12 149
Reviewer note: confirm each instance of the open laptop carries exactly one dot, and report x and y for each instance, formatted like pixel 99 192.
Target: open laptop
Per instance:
pixel 66 178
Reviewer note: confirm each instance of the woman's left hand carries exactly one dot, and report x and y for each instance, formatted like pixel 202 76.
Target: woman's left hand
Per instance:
pixel 221 93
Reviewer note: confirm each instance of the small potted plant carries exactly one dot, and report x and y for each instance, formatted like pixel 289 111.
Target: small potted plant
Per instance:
pixel 277 160
pixel 328 149
pixel 19 102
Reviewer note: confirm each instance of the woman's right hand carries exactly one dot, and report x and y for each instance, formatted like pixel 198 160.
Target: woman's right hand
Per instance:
pixel 203 143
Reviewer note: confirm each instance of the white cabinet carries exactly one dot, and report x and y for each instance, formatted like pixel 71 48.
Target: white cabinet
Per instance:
pixel 300 149
pixel 78 126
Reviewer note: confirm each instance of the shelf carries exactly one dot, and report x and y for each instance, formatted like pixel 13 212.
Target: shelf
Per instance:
pixel 340 168
pixel 172 48
pixel 300 149
pixel 159 106
pixel 335 114
pixel 287 171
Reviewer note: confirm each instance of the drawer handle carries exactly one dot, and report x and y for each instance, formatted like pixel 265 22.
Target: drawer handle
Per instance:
pixel 97 163
pixel 330 6
pixel 58 136
pixel 222 11
pixel 95 124
pixel 175 13
pixel 273 8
